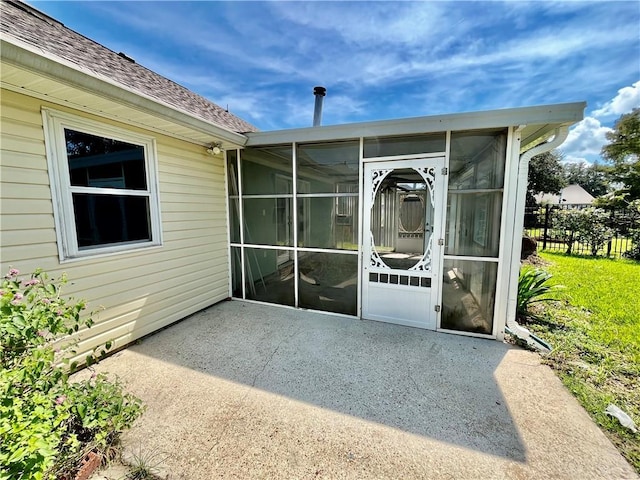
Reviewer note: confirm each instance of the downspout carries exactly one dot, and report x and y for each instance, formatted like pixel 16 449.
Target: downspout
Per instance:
pixel 512 327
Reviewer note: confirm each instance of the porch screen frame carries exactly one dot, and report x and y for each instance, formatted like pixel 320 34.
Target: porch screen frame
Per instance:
pixel 295 198
pixel 505 241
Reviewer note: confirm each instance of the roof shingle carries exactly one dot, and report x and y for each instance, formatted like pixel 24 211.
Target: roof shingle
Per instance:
pixel 39 30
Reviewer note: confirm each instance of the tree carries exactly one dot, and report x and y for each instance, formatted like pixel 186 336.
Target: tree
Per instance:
pixel 623 151
pixel 593 178
pixel 545 175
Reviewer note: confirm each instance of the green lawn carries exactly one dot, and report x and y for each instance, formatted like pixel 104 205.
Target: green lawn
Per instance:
pixel 594 328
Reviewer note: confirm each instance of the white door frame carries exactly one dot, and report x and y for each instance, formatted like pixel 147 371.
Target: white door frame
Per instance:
pixel 384 298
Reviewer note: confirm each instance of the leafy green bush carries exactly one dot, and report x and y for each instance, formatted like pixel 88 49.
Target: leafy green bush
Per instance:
pixel 634 252
pixel 48 423
pixel 586 225
pixel 533 285
pixel 566 224
pixel 594 230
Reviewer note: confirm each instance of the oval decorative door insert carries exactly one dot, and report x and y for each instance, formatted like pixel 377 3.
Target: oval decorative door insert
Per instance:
pixel 401 222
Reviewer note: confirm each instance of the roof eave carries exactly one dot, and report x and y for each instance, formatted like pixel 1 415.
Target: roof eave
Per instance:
pixel 25 56
pixel 538 121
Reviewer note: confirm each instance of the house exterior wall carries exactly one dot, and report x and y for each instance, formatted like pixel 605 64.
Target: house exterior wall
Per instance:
pixel 139 291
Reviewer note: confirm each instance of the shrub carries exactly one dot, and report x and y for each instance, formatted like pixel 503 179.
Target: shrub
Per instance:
pixel 48 423
pixel 594 229
pixel 533 285
pixel 587 225
pixel 634 251
pixel 566 224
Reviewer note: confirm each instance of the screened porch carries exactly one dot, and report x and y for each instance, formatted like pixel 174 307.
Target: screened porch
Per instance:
pixel 308 230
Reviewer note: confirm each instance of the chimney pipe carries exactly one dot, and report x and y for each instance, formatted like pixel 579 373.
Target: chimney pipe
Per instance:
pixel 319 92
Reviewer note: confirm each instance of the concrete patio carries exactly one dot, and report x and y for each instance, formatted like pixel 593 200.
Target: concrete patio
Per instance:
pixel 251 391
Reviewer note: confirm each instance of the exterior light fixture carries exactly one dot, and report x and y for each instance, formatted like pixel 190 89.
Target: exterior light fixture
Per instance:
pixel 215 148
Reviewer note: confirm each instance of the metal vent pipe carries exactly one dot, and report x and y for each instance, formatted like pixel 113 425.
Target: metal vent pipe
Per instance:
pixel 319 92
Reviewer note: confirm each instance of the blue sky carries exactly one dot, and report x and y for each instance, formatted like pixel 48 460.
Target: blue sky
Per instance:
pixel 382 60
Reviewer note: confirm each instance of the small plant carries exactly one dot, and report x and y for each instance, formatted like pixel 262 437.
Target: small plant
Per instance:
pixel 144 465
pixel 47 423
pixel 533 286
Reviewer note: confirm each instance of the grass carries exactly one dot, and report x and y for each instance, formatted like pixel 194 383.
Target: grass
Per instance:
pixel 594 328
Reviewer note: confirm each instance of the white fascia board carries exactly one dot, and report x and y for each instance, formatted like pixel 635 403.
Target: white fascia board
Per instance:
pixel 547 116
pixel 31 58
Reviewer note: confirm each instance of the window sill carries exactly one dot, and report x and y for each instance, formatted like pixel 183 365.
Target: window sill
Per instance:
pixel 139 249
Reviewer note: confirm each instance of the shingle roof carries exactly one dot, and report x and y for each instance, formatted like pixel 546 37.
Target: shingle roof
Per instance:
pixel 570 195
pixel 35 28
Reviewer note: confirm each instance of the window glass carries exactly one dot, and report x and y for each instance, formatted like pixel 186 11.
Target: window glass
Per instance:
pixel 477 160
pixel 106 184
pixel 328 282
pixel 232 173
pixel 264 168
pixel 324 166
pixel 468 295
pixel 473 224
pixel 234 200
pixel 404 145
pixel 269 275
pixel 106 219
pixel 96 161
pixel 234 220
pixel 236 272
pixel 268 221
pixel 328 222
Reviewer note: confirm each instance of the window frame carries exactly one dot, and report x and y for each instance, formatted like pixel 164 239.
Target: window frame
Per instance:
pixel 55 122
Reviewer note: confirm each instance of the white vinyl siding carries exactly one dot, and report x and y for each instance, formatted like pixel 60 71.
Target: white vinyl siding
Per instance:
pixel 141 291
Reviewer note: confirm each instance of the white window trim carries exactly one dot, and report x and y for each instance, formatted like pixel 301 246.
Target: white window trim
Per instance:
pixel 55 122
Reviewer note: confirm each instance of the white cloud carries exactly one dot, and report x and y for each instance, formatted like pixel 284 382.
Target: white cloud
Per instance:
pixel 374 24
pixel 249 105
pixel 627 99
pixel 585 139
pixel 344 43
pixel 387 59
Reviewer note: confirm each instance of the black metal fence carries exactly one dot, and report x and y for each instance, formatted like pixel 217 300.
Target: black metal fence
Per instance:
pixel 539 224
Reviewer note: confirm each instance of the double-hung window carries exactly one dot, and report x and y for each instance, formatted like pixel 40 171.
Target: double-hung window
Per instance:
pixel 104 186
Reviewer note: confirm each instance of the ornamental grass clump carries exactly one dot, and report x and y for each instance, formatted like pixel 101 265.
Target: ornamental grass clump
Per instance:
pixel 48 423
pixel 533 287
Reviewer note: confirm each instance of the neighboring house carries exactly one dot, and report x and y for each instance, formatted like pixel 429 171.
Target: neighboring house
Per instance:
pixel 115 175
pixel 573 195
